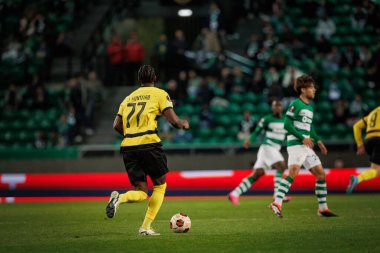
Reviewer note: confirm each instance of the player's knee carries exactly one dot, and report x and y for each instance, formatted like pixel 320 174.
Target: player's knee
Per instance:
pixel 259 172
pixel 293 172
pixel 321 176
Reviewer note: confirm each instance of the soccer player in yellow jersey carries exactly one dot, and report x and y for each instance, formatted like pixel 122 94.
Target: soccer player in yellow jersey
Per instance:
pixel 142 151
pixel 371 145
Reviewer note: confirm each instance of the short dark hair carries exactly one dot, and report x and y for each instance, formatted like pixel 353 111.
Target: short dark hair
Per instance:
pixel 146 74
pixel 303 81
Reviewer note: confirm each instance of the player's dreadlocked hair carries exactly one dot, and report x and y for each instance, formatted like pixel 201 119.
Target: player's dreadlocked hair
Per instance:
pixel 303 81
pixel 146 74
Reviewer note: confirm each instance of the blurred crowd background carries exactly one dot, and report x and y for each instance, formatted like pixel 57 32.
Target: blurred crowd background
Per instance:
pixel 222 67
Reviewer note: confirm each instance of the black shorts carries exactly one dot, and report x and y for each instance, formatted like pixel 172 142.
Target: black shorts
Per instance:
pixel 372 147
pixel 147 160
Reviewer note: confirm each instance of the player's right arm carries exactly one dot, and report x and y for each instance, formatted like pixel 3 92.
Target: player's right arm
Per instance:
pixel 358 128
pixel 173 119
pixel 253 136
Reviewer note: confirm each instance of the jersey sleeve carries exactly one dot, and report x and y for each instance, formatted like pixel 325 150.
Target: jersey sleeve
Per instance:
pixel 358 127
pixel 288 123
pixel 121 109
pixel 291 111
pixel 260 126
pixel 164 102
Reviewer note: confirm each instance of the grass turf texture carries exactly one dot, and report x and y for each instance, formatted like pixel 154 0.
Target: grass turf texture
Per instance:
pixel 217 226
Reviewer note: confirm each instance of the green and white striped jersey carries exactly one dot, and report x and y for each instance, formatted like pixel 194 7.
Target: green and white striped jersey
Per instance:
pixel 299 122
pixel 274 130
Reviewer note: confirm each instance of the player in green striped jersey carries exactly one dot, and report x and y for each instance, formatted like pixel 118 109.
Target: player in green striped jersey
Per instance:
pixel 269 155
pixel 301 137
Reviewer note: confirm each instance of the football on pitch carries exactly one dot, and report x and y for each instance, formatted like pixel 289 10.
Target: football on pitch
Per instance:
pixel 180 223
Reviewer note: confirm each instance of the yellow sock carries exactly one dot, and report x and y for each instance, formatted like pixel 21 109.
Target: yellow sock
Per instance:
pixel 367 175
pixel 132 197
pixel 154 205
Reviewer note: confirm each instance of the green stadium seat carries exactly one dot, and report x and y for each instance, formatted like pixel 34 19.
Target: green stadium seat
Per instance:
pixel 16 125
pixel 233 109
pixel 358 72
pixel 236 98
pixel 204 133
pixel 263 108
pixel 248 107
pixel 219 132
pixel 358 84
pixel 250 98
pixel 217 110
pixel 223 120
pixel 323 106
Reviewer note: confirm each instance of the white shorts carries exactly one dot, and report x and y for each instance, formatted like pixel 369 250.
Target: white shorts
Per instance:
pixel 302 155
pixel 267 156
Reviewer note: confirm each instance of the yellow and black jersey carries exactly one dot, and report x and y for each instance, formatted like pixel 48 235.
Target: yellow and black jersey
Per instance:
pixel 139 111
pixel 371 123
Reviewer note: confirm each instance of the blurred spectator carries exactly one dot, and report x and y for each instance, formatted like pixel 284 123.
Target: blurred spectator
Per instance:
pixel 298 49
pixel 365 55
pixel 323 45
pixel 205 117
pixel 373 72
pixel 115 57
pixel 13 52
pixel 215 23
pixel 323 8
pixel 182 84
pixel 277 8
pixel 275 92
pixel 326 27
pixel 341 112
pixel 180 45
pixel 357 107
pixel 306 37
pixel 253 46
pixel 238 81
pixel 161 54
pixel 373 15
pixel 75 103
pixel 134 57
pixel 339 164
pixel 193 84
pixel 204 94
pixel 40 100
pixel 277 59
pixel 334 90
pixel 258 81
pixel 226 78
pixel 64 48
pixel 41 140
pixel 43 54
pixel 246 126
pixel 350 57
pixel 12 99
pixel 332 60
pixel 173 91
pixel 92 87
pixel 358 18
pixel 271 76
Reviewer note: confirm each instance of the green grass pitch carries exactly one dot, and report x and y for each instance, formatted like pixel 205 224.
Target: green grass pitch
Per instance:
pixel 217 226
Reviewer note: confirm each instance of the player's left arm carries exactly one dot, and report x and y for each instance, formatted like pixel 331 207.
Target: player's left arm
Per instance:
pixel 118 124
pixel 358 128
pixel 317 139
